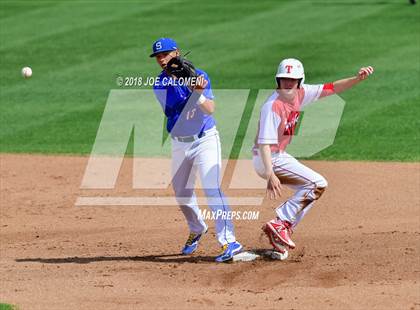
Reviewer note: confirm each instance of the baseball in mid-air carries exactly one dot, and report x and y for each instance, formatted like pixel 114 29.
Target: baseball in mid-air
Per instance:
pixel 26 72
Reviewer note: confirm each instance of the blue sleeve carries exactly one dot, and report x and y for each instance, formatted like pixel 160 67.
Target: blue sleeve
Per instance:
pixel 208 93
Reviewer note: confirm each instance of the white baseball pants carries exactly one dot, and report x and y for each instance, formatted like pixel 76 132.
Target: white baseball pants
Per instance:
pixel 203 155
pixel 309 185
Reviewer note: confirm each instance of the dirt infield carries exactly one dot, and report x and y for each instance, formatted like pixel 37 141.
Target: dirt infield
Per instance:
pixel 358 248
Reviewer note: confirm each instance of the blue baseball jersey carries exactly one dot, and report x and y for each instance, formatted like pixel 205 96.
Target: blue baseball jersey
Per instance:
pixel 184 118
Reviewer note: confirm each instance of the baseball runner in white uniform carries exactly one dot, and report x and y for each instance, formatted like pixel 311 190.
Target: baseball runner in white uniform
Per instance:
pixel 278 119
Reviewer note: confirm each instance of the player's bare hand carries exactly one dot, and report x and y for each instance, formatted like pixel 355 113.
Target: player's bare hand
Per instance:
pixel 201 83
pixel 364 73
pixel 273 187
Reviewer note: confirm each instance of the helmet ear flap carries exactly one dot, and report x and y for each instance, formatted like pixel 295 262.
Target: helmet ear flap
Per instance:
pixel 278 82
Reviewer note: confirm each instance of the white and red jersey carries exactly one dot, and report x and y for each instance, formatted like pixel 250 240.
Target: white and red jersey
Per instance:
pixel 278 119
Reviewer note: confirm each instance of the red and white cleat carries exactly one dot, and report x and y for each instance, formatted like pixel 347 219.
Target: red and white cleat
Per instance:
pixel 275 242
pixel 278 233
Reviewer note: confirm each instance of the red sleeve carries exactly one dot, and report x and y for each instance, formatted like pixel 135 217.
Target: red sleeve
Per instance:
pixel 327 90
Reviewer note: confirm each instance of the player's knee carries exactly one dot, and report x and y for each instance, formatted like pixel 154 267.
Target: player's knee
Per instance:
pixel 322 183
pixel 321 186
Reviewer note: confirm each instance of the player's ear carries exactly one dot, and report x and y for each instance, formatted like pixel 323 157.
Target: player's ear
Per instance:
pixel 177 53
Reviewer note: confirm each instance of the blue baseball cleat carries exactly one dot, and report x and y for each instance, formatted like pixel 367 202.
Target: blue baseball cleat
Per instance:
pixel 229 250
pixel 192 243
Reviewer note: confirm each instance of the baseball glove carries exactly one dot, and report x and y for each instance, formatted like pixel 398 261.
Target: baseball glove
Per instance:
pixel 181 67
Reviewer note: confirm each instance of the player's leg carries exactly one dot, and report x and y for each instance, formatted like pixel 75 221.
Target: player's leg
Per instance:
pixel 209 163
pixel 183 179
pixel 301 214
pixel 309 186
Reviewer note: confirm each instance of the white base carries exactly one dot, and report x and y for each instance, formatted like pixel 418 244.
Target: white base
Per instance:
pixel 248 256
pixel 245 257
pixel 277 255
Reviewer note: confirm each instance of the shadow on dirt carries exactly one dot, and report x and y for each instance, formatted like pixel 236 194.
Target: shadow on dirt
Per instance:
pixel 168 258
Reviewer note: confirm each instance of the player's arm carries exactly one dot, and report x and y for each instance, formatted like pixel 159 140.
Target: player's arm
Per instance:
pixel 267 136
pixel 206 105
pixel 315 92
pixel 265 153
pixel 273 182
pixel 344 84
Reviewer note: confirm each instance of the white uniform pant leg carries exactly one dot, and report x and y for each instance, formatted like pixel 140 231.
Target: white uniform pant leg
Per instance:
pixel 288 212
pixel 301 214
pixel 183 179
pixel 309 186
pixel 208 160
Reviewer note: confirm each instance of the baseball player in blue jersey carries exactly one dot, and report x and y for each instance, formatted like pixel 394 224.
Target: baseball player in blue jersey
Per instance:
pixel 188 108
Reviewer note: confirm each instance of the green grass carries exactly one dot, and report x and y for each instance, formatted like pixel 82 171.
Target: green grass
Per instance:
pixel 76 49
pixel 7 307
